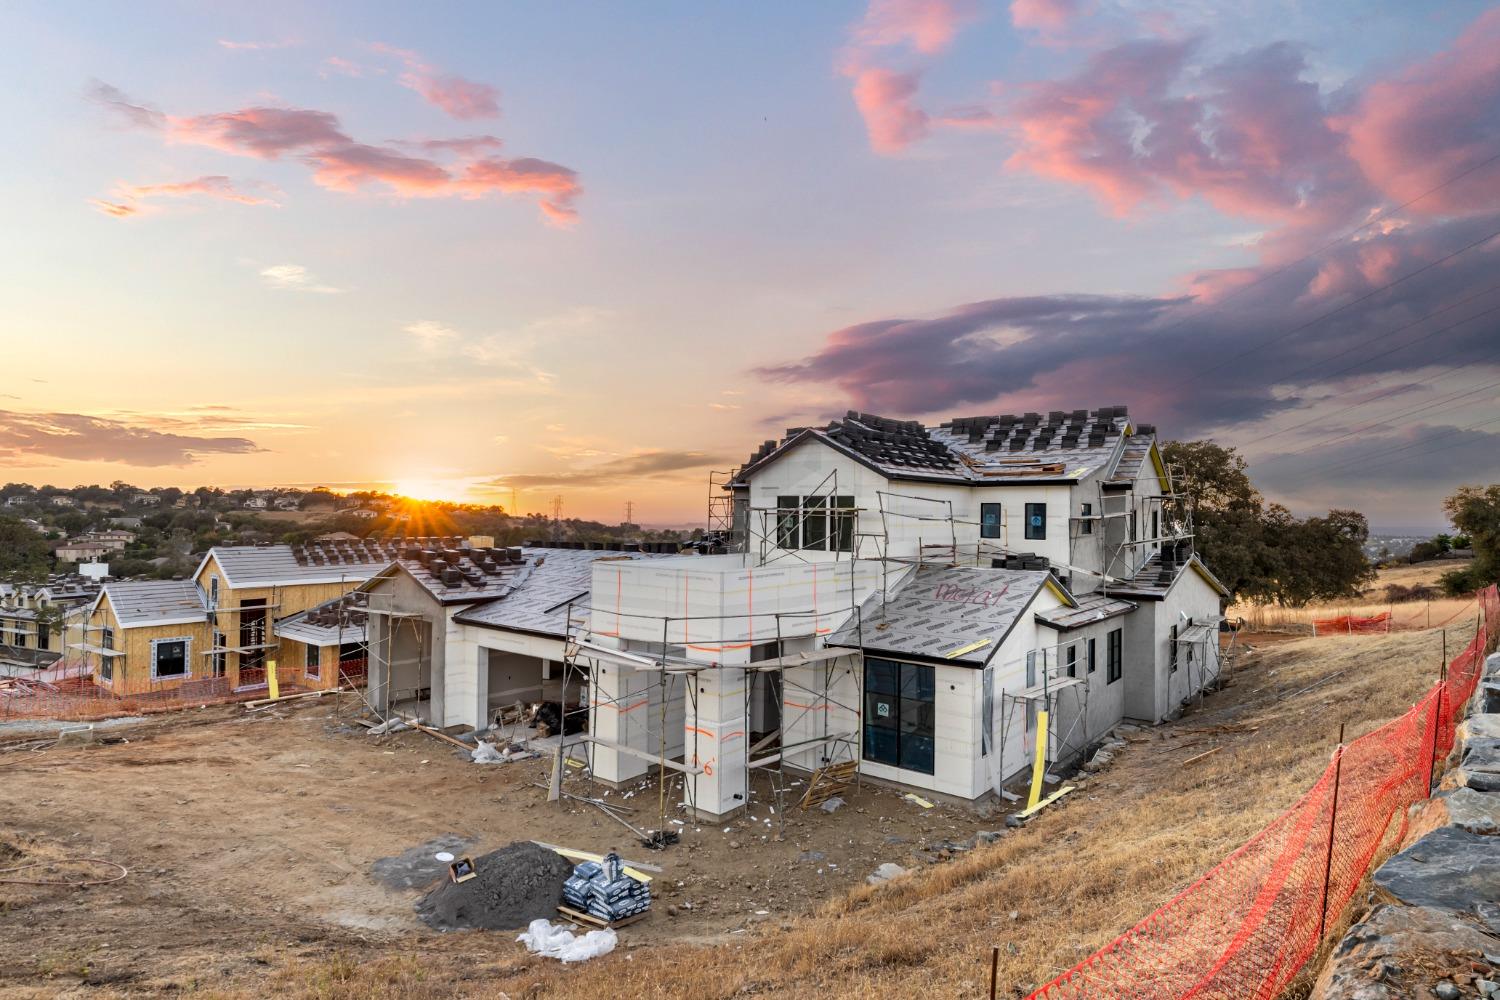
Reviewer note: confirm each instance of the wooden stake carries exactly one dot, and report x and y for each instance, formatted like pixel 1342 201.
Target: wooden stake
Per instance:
pixel 994 969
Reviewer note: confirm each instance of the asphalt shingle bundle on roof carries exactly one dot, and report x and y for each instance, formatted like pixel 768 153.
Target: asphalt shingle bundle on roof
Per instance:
pixel 455 572
pixel 1030 447
pixel 939 610
pixel 1159 573
pixel 283 565
pixel 539 603
pixel 155 602
pixel 340 620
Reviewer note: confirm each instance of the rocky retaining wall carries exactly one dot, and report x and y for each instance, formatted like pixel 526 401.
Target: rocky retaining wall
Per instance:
pixel 1434 927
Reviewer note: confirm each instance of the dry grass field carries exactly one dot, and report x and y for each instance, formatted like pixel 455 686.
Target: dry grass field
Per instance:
pixel 1420 614
pixel 1047 895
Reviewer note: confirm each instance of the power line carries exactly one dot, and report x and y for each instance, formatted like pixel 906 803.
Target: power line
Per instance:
pixel 1385 336
pixel 1382 216
pixel 1452 326
pixel 1363 460
pixel 1396 416
pixel 1347 305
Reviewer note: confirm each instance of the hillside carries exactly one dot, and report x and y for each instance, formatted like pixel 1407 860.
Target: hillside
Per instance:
pixel 312 809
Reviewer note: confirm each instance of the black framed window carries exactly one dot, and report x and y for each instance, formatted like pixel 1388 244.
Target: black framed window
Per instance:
pixel 169 658
pixel 43 636
pixel 20 635
pixel 1093 659
pixel 814 523
pixel 899 716
pixel 821 523
pixel 1070 660
pixel 1172 652
pixel 788 515
pixel 1156 524
pixel 843 524
pixel 1036 521
pixel 1114 655
pixel 1086 526
pixel 990 520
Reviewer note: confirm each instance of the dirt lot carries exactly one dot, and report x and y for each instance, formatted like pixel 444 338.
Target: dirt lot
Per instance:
pixel 248 833
pixel 250 841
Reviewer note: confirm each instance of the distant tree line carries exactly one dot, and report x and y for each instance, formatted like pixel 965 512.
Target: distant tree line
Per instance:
pixel 1259 550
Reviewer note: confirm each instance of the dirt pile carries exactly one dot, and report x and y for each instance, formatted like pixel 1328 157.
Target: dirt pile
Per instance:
pixel 511 887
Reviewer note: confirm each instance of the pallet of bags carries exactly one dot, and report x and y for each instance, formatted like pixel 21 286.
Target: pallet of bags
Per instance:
pixel 605 892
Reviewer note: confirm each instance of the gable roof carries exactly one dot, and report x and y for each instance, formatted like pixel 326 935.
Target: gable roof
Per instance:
pixel 947 614
pixel 283 565
pixel 1060 447
pixel 452 571
pixel 138 603
pixel 539 602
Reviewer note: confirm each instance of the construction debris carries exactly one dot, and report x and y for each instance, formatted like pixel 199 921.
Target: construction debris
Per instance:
pixel 422 865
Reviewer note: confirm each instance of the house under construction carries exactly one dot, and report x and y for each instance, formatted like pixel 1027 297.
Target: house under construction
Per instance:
pixel 910 602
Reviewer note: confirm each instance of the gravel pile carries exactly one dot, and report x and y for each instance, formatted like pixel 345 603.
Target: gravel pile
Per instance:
pixel 513 886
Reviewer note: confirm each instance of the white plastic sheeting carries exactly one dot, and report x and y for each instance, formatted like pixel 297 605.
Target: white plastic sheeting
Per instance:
pixel 543 938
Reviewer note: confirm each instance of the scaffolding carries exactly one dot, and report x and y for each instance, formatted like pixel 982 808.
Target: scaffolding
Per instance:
pixel 583 656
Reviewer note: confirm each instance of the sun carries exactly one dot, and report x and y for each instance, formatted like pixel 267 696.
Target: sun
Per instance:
pixel 423 489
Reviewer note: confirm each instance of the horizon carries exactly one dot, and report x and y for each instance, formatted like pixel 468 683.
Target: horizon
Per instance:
pixel 509 254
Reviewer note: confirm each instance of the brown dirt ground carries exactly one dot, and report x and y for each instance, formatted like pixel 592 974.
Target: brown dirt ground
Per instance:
pixel 250 840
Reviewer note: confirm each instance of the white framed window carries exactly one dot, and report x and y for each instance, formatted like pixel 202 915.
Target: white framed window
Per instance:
pixel 313 663
pixel 213 592
pixel 170 658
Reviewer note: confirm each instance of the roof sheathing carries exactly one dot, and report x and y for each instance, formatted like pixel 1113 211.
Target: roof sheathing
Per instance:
pixel 1060 447
pixel 140 603
pixel 938 610
pixel 282 565
pixel 539 603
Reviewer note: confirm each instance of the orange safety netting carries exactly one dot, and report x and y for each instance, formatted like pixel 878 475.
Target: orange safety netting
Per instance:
pixel 1352 624
pixel 69 693
pixel 1246 928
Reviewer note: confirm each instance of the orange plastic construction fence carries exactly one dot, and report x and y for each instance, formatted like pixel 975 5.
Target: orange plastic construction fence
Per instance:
pixel 1245 929
pixel 1352 624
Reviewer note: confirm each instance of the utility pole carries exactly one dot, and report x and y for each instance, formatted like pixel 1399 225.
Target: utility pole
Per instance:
pixel 556 518
pixel 629 511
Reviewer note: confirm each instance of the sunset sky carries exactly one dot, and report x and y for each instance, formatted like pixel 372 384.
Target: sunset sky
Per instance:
pixel 595 250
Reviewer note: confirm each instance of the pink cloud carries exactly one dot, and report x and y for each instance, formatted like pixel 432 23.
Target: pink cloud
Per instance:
pixel 464 167
pixel 1136 123
pixel 929 26
pixel 886 97
pixel 1043 15
pixel 1412 132
pixel 885 101
pixel 215 186
pixel 557 185
pixel 459 97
